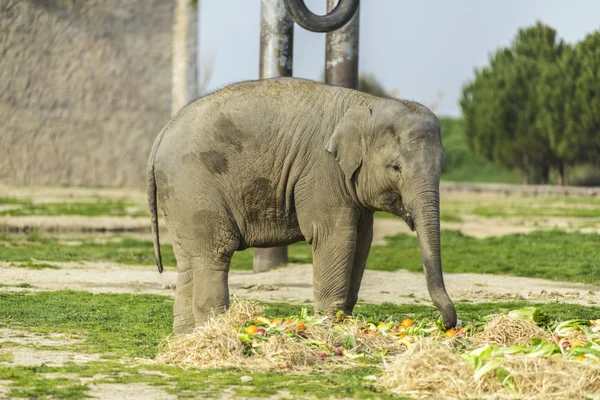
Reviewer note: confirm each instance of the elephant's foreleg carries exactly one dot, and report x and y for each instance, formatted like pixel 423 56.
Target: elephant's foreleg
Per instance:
pixel 363 245
pixel 333 257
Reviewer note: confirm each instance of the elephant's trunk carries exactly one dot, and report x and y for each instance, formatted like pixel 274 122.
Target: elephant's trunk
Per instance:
pixel 425 211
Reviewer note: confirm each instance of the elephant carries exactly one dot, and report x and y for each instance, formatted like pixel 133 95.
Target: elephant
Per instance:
pixel 271 162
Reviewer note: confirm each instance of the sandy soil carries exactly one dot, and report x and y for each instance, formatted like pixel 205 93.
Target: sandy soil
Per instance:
pixel 294 284
pixel 128 391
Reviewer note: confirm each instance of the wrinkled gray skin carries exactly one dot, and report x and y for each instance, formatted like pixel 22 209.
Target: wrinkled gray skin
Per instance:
pixel 272 162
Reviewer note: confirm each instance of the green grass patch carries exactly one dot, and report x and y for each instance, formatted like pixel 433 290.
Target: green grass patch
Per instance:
pixel 20 285
pixel 13 200
pixel 523 210
pixel 121 250
pixel 33 382
pixel 6 356
pixel 125 325
pixel 555 255
pixel 532 207
pixel 34 265
pixel 450 217
pixel 29 383
pixel 94 207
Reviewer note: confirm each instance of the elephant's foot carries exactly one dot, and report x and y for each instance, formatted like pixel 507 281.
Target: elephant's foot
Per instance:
pixel 183 324
pixel 331 309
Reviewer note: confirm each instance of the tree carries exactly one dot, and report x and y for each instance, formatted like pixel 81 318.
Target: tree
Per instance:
pixel 501 105
pixel 368 83
pixel 584 113
pixel 569 98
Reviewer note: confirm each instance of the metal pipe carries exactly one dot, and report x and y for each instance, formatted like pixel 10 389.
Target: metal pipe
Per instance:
pixel 341 52
pixel 276 50
pixel 336 17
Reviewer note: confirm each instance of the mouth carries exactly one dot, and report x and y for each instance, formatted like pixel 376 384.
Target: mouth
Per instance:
pixel 408 219
pixel 405 215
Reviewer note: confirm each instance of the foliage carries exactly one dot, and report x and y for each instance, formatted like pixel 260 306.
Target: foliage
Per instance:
pixel 464 165
pixel 535 106
pixel 570 97
pixel 368 83
pixel 501 105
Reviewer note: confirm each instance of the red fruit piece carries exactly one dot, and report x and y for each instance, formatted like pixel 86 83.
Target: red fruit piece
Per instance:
pixel 322 355
pixel 261 331
pixel 338 352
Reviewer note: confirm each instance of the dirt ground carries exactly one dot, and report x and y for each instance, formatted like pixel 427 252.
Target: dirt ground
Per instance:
pixel 293 284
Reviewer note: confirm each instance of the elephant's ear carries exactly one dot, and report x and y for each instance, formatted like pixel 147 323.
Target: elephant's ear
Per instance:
pixel 345 143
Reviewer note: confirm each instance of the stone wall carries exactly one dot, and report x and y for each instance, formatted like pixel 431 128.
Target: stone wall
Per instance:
pixel 84 89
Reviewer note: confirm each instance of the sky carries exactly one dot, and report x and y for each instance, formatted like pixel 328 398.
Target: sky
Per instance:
pixel 426 50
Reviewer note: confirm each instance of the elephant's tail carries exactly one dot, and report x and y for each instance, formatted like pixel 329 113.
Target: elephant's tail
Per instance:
pixel 151 193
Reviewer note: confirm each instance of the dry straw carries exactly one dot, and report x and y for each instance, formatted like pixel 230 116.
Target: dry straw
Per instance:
pixel 216 344
pixel 506 331
pixel 432 370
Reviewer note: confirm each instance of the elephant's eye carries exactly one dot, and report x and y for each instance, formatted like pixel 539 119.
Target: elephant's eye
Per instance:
pixel 396 168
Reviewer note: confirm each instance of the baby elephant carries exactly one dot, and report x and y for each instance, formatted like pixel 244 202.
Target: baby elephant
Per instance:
pixel 272 162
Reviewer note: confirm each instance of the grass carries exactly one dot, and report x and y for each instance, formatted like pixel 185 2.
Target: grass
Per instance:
pixel 18 248
pixel 34 265
pixel 462 165
pixel 522 210
pixel 95 207
pixel 531 207
pixel 19 285
pixel 120 325
pixel 555 255
pixel 13 200
pixel 30 382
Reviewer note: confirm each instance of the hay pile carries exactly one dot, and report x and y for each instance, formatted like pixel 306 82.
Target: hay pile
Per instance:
pixel 211 345
pixel 429 369
pixel 507 358
pixel 506 331
pixel 216 344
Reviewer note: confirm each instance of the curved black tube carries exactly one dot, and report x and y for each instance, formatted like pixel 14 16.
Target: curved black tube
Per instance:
pixel 337 18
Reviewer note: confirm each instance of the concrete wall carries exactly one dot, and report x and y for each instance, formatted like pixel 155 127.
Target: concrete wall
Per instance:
pixel 84 89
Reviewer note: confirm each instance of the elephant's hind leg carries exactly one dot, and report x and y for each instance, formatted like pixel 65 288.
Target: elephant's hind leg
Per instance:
pixel 202 271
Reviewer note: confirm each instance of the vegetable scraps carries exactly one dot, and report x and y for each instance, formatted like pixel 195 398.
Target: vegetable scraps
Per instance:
pixel 259 331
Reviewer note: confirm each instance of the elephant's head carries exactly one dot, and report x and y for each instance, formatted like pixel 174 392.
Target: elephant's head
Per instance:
pixel 392 155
